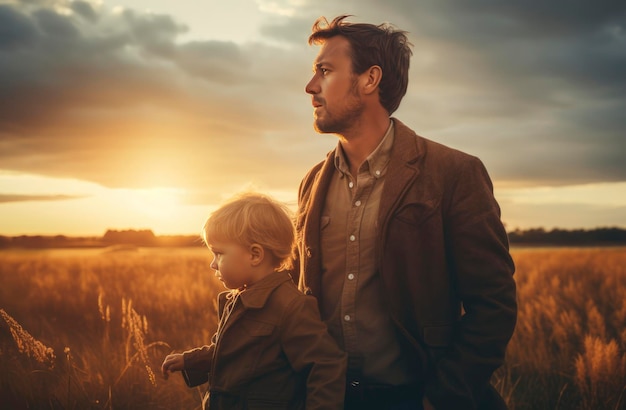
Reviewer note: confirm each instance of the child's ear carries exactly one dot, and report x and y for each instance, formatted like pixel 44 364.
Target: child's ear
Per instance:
pixel 257 254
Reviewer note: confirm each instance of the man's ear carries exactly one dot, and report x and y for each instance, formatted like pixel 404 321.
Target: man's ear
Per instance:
pixel 257 254
pixel 371 79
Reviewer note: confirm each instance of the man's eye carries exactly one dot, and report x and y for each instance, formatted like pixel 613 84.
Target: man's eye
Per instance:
pixel 324 71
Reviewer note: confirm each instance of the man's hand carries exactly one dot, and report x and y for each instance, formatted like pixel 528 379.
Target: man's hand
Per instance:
pixel 172 363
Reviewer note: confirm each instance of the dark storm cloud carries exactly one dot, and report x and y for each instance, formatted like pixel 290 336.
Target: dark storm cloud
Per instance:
pixel 85 10
pixel 96 94
pixel 537 89
pixel 580 42
pixel 15 29
pixel 55 25
pixel 544 18
pixel 213 61
pixel 562 59
pixel 53 64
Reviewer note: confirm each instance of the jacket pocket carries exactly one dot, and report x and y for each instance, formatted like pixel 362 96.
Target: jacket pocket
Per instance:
pixel 415 213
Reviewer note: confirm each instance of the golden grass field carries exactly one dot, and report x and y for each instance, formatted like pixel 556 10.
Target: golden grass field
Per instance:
pixel 88 329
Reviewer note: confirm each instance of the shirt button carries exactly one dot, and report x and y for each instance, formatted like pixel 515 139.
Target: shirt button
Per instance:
pixel 346 318
pixel 377 173
pixel 352 238
pixel 357 203
pixel 351 184
pixel 351 276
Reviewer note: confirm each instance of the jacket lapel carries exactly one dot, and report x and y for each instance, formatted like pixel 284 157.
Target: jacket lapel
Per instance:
pixel 402 171
pixel 319 190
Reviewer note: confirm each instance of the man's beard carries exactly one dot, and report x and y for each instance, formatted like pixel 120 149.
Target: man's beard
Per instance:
pixel 342 121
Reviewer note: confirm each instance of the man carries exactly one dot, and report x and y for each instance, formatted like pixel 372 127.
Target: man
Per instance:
pixel 400 238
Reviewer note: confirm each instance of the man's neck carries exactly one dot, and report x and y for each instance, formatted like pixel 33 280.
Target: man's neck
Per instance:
pixel 362 140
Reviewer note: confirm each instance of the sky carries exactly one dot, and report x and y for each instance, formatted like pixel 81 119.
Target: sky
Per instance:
pixel 147 114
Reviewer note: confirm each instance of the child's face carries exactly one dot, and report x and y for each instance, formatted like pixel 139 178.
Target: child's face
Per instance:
pixel 231 263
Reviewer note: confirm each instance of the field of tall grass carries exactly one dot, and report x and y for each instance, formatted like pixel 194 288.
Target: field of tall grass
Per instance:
pixel 88 329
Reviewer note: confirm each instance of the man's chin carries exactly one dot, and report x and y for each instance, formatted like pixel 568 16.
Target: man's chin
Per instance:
pixel 322 128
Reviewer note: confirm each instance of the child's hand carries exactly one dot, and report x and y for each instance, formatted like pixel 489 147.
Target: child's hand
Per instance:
pixel 172 363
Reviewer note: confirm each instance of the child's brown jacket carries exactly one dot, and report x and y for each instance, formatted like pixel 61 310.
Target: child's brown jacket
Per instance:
pixel 271 352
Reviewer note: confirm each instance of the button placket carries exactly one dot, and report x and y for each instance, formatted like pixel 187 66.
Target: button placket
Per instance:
pixel 362 189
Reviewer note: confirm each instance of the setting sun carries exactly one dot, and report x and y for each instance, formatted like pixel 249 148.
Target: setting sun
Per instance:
pixel 92 208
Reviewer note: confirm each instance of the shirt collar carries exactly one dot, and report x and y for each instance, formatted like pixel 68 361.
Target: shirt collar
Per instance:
pixel 376 162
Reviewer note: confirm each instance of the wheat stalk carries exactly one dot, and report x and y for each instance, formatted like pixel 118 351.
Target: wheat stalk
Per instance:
pixel 27 344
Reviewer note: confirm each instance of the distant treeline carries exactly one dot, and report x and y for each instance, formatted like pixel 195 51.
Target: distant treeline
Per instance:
pixel 561 237
pixel 147 238
pixel 142 238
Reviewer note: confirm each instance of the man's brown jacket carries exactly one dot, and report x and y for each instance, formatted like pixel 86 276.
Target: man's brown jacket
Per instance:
pixel 442 254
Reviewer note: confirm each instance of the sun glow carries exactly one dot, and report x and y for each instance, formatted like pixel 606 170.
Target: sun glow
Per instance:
pixel 154 202
pixel 34 204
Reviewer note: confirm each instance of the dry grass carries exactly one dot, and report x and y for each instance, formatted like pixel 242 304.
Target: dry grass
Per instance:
pixel 569 347
pixel 88 329
pixel 110 317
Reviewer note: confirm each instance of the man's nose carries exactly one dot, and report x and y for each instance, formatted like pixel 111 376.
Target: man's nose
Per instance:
pixel 312 87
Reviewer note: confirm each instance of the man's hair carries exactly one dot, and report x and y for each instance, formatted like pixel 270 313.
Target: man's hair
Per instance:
pixel 371 45
pixel 250 218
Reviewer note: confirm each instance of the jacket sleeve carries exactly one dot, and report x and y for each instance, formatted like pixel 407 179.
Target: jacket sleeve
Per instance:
pixel 198 361
pixel 308 346
pixel 477 253
pixel 198 365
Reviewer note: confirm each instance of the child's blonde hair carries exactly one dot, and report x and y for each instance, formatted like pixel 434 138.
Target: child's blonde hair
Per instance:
pixel 250 218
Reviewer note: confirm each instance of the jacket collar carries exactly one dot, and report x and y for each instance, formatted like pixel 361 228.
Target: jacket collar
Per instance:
pixel 256 295
pixel 403 169
pixel 407 149
pixel 407 146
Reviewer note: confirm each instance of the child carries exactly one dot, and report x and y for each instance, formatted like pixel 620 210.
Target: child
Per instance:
pixel 271 349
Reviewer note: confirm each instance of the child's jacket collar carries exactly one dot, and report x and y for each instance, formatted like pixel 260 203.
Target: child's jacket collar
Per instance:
pixel 256 295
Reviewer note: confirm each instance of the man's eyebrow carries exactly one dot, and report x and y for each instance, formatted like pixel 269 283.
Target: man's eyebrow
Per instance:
pixel 318 65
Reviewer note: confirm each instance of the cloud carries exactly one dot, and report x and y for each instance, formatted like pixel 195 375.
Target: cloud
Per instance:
pixel 115 97
pixel 536 89
pixel 125 99
pixel 295 30
pixel 280 7
pixel 4 198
